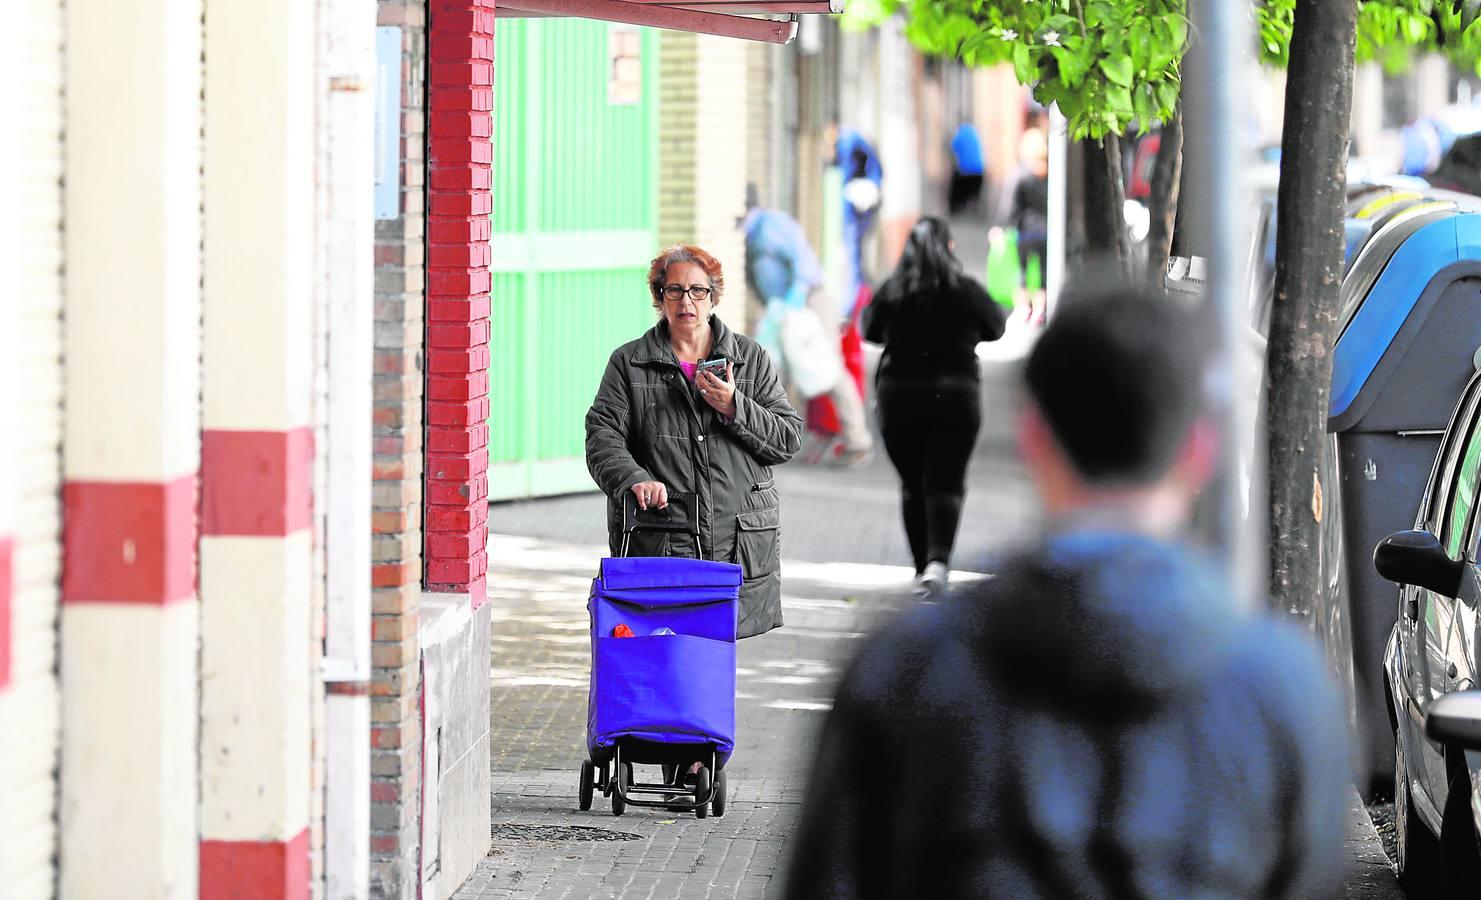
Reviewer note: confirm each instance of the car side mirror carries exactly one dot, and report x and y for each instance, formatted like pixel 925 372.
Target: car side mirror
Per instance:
pixel 1416 557
pixel 1456 719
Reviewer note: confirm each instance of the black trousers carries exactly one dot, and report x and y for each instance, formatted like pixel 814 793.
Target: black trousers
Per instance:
pixel 930 427
pixel 963 191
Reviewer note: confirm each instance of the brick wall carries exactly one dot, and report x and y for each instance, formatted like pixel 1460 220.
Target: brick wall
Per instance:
pixel 397 494
pixel 720 127
pixel 758 120
pixel 703 102
pixel 460 156
pixel 30 545
pixel 677 95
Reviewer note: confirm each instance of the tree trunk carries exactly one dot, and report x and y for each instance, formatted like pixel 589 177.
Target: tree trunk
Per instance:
pixel 1308 275
pixel 1074 200
pixel 1105 195
pixel 1163 203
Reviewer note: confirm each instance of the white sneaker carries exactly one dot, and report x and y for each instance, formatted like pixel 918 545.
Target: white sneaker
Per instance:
pixel 934 578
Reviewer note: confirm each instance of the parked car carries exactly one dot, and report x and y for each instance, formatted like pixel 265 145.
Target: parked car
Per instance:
pixel 1431 653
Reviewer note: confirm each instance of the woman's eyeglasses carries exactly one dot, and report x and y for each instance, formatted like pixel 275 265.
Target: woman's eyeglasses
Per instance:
pixel 675 291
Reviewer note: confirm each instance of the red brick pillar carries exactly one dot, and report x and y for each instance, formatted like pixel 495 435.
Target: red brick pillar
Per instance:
pixel 460 52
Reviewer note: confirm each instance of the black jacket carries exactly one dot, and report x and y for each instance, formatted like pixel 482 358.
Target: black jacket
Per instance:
pixel 935 335
pixel 648 423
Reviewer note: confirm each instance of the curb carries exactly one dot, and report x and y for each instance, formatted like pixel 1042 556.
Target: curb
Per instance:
pixel 1371 875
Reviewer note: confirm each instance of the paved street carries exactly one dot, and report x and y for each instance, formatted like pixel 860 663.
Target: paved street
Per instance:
pixel 845 567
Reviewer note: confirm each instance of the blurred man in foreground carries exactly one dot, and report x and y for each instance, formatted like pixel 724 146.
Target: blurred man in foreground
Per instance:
pixel 1098 719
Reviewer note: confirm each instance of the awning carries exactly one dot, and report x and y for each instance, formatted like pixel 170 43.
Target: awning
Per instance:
pixel 749 21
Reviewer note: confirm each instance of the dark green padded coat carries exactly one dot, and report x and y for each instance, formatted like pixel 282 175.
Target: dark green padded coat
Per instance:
pixel 648 423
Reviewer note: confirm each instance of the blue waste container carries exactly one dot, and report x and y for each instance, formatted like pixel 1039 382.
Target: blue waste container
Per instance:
pixel 1411 327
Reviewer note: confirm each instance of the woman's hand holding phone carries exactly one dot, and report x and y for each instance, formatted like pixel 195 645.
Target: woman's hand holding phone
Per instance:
pixel 718 392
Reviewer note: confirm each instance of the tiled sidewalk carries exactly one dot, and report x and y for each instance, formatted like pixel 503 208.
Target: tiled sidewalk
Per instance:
pixel 544 847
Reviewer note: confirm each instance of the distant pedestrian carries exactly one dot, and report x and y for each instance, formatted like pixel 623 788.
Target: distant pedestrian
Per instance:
pixel 930 316
pixel 665 422
pixel 1029 215
pixel 785 273
pixel 1099 719
pixel 863 182
pixel 967 170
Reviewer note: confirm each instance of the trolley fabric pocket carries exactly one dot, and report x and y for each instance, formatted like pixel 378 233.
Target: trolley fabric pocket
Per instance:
pixel 672 688
pixel 757 544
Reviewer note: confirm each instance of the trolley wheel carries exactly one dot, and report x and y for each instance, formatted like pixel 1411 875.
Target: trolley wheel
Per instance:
pixel 701 789
pixel 588 781
pixel 620 782
pixel 717 803
pixel 604 781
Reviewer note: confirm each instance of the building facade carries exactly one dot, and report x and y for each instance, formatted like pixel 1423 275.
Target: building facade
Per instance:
pixel 270 346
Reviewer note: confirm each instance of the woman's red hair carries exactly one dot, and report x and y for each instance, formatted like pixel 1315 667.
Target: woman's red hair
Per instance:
pixel 684 253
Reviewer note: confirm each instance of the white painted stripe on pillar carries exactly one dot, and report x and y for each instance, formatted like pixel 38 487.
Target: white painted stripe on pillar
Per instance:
pixel 259 321
pixel 347 131
pixel 129 793
pixel 350 286
pixel 133 239
pixel 255 683
pixel 347 790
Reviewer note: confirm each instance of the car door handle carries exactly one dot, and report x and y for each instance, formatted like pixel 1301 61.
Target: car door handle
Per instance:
pixel 1450 670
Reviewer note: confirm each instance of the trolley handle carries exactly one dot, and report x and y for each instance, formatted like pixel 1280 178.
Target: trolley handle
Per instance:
pixel 681 516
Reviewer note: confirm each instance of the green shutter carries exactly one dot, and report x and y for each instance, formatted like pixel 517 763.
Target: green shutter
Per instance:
pixel 574 226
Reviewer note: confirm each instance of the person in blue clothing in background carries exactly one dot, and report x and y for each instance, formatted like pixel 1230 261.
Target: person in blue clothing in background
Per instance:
pixel 1103 717
pixel 967 170
pixel 862 181
pixel 785 273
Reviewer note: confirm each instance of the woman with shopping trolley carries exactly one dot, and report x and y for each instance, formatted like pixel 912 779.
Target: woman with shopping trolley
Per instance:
pixel 692 408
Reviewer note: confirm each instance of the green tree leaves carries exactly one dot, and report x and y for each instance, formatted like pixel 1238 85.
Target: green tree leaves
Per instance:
pixel 1109 64
pixel 1112 65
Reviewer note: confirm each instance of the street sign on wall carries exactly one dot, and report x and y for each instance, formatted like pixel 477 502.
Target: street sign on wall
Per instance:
pixel 387 122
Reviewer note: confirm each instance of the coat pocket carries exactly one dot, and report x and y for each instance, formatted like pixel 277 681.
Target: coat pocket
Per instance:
pixel 757 543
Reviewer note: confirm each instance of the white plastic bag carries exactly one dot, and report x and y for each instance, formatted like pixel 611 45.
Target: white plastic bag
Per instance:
pixel 814 360
pixel 862 194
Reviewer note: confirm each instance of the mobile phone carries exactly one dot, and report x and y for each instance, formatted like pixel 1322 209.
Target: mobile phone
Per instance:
pixel 715 367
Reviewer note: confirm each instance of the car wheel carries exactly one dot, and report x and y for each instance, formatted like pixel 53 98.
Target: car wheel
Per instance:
pixel 1415 851
pixel 1460 858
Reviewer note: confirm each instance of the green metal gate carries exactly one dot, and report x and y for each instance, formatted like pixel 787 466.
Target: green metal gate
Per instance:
pixel 574 226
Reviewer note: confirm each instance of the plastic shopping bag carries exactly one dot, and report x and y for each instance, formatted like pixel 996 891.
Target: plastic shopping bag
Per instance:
pixel 814 363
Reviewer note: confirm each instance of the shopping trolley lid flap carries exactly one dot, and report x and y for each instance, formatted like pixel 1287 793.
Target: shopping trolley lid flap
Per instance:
pixel 658 573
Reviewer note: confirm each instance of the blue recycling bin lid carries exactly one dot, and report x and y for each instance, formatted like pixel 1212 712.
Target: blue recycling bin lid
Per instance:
pixel 1376 323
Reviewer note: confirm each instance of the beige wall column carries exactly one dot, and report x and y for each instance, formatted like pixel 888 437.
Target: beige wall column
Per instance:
pixel 30 446
pixel 130 620
pixel 256 577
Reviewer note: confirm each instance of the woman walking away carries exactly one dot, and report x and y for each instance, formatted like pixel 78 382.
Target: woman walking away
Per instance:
pixel 930 316
pixel 693 407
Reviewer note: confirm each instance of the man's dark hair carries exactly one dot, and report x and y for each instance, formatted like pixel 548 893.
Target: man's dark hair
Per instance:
pixel 1118 375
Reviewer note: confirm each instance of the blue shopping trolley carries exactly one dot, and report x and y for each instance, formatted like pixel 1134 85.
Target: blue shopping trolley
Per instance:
pixel 666 695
